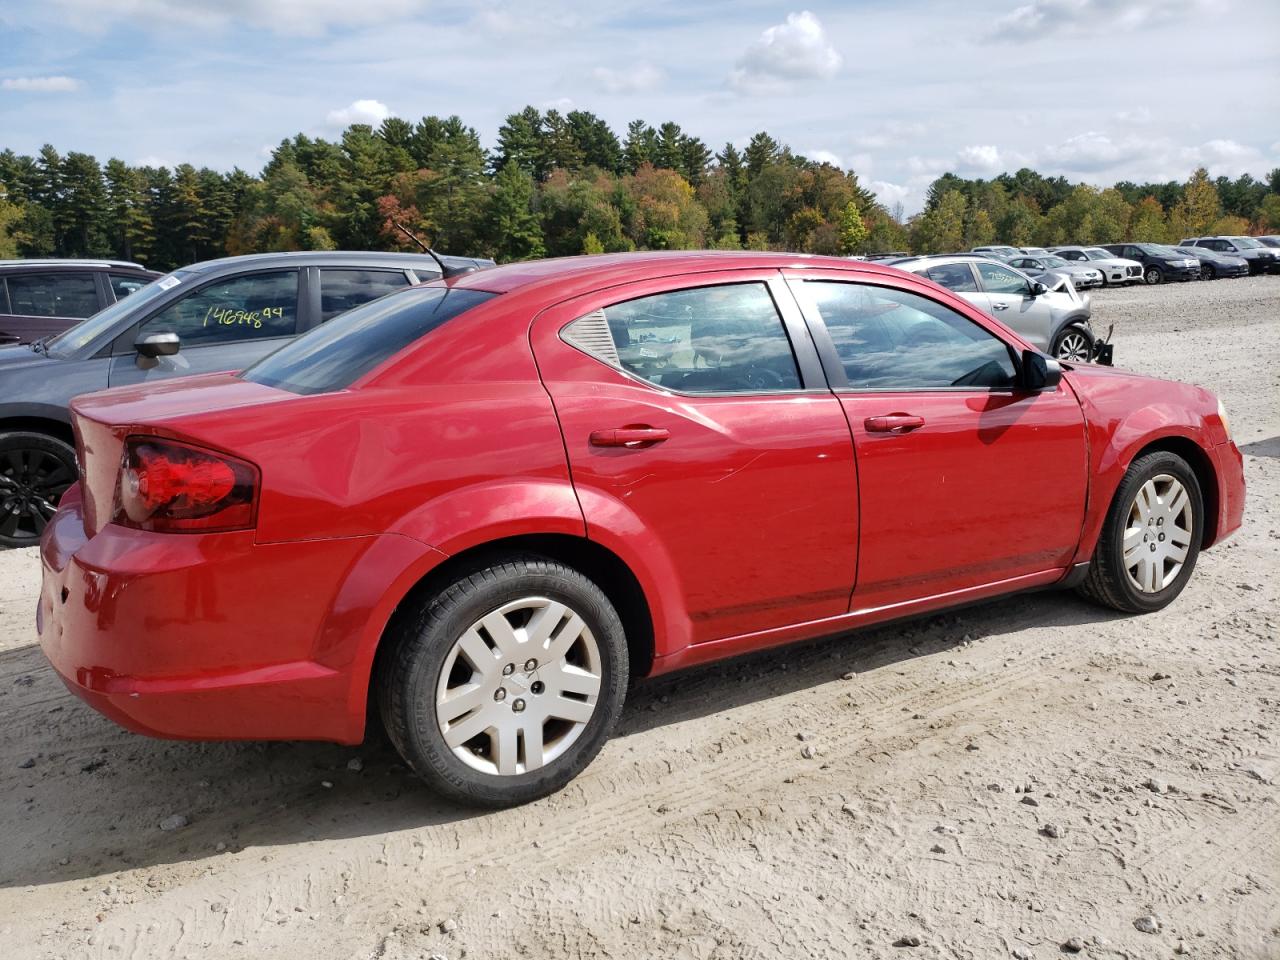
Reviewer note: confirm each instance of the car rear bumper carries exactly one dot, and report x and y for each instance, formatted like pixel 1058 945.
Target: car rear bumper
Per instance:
pixel 214 636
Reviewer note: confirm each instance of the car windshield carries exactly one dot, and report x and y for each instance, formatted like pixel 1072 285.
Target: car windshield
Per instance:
pixel 337 354
pixel 1097 253
pixel 1054 262
pixel 1247 242
pixel 1157 250
pixel 86 331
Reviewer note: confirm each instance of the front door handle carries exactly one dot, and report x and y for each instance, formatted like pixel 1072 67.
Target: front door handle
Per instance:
pixel 997 305
pixel 629 437
pixel 893 423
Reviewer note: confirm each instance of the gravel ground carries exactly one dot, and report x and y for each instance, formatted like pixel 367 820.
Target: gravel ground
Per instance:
pixel 1014 780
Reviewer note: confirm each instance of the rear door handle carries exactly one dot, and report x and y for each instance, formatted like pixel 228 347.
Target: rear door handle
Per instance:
pixel 629 437
pixel 893 423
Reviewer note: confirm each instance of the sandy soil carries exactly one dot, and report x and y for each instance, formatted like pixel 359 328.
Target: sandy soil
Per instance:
pixel 990 783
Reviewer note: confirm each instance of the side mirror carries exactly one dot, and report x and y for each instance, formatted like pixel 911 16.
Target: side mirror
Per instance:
pixel 1039 372
pixel 154 345
pixel 1038 288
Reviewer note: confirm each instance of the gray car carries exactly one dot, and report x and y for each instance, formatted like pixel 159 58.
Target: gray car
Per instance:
pixel 212 316
pixel 1260 257
pixel 1046 267
pixel 1055 321
pixel 1114 269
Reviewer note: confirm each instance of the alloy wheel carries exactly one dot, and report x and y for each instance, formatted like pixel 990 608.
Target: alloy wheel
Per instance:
pixel 1074 347
pixel 1158 533
pixel 31 483
pixel 1152 275
pixel 519 687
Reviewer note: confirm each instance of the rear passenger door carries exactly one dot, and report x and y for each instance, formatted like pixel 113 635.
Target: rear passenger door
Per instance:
pixel 45 303
pixel 696 418
pixel 226 324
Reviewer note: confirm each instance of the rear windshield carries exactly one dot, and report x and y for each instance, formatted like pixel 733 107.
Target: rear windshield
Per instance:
pixel 337 354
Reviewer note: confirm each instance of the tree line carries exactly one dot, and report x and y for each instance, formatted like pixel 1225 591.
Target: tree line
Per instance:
pixel 565 183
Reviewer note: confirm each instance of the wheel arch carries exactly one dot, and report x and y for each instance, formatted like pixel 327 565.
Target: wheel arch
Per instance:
pixel 1201 465
pixel 48 425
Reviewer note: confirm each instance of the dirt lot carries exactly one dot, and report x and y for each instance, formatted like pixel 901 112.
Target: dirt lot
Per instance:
pixel 993 782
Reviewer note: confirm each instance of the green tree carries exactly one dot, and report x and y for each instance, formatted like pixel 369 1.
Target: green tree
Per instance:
pixel 1200 205
pixel 514 230
pixel 853 232
pixel 942 228
pixel 128 216
pixel 522 140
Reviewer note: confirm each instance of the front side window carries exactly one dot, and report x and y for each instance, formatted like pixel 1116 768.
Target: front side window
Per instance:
pixel 334 356
pixel 954 276
pixel 720 339
pixel 890 339
pixel 1071 254
pixel 53 295
pixel 998 279
pixel 341 290
pixel 252 307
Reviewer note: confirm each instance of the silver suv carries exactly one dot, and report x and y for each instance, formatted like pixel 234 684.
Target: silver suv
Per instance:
pixel 1055 321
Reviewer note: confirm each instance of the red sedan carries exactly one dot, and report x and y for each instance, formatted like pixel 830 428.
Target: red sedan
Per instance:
pixel 492 500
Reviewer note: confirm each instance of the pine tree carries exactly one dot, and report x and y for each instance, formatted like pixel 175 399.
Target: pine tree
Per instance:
pixel 522 140
pixel 640 146
pixel 514 230
pixel 128 214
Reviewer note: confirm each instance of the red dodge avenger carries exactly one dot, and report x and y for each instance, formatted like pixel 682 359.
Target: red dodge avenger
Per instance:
pixel 485 503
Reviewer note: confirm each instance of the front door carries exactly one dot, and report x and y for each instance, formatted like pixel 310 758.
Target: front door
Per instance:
pixel 224 325
pixel 964 480
pixel 689 423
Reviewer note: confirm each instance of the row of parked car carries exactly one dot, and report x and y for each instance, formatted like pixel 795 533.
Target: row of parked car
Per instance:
pixel 1194 258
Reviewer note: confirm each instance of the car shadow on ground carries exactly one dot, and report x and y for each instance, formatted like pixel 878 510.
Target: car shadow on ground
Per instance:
pixel 81 798
pixel 1270 447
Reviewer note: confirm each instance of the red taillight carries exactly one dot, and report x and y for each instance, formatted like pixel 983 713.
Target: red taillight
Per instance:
pixel 166 485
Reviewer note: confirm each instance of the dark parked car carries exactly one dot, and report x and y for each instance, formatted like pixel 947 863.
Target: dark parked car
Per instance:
pixel 1159 263
pixel 1214 264
pixel 39 298
pixel 217 315
pixel 1261 258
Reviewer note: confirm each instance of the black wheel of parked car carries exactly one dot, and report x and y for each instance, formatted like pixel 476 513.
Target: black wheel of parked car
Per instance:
pixel 501 687
pixel 35 470
pixel 1208 271
pixel 1151 536
pixel 1153 275
pixel 1073 343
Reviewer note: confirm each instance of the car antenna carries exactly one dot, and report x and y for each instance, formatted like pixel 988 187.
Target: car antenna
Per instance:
pixel 445 270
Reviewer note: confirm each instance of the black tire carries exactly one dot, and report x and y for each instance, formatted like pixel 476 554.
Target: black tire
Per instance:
pixel 1152 275
pixel 1208 272
pixel 1065 344
pixel 1108 582
pixel 420 642
pixel 35 470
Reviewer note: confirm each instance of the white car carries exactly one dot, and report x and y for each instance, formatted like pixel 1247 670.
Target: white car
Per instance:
pixel 1114 269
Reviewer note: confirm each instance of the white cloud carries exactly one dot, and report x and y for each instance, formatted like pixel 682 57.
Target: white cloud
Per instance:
pixel 638 79
pixel 979 158
pixel 40 84
pixel 1092 151
pixel 824 156
pixel 889 193
pixel 563 104
pixel 298 17
pixel 1224 157
pixel 372 112
pixel 1042 18
pixel 786 53
pixel 891 134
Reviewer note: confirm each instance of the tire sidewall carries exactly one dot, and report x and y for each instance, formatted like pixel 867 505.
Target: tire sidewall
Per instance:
pixel 28 440
pixel 1152 275
pixel 1113 535
pixel 1067 331
pixel 421 741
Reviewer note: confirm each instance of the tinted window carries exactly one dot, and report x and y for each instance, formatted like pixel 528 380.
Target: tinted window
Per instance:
pixel 894 340
pixel 336 355
pixel 954 276
pixel 106 322
pixel 123 286
pixel 1071 254
pixel 54 295
pixel 997 279
pixel 722 339
pixel 250 307
pixel 341 290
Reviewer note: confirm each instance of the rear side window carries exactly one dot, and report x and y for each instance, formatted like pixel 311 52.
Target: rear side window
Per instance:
pixel 342 290
pixel 248 307
pixel 339 353
pixel 122 285
pixel 54 295
pixel 954 276
pixel 719 339
pixel 890 339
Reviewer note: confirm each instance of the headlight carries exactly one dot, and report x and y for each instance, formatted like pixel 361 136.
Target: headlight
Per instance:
pixel 1222 415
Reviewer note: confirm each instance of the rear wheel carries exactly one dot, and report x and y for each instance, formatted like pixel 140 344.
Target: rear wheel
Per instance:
pixel 501 688
pixel 1153 275
pixel 1073 343
pixel 35 470
pixel 1151 537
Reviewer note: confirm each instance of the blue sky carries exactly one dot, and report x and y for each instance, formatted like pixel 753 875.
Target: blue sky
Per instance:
pixel 1097 90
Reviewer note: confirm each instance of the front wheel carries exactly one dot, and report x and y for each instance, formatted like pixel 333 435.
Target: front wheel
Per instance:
pixel 1073 343
pixel 502 687
pixel 1153 276
pixel 1208 272
pixel 35 470
pixel 1151 536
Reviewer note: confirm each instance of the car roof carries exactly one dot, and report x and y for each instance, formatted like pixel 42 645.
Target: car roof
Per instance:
pixel 321 258
pixel 608 269
pixel 73 262
pixel 941 259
